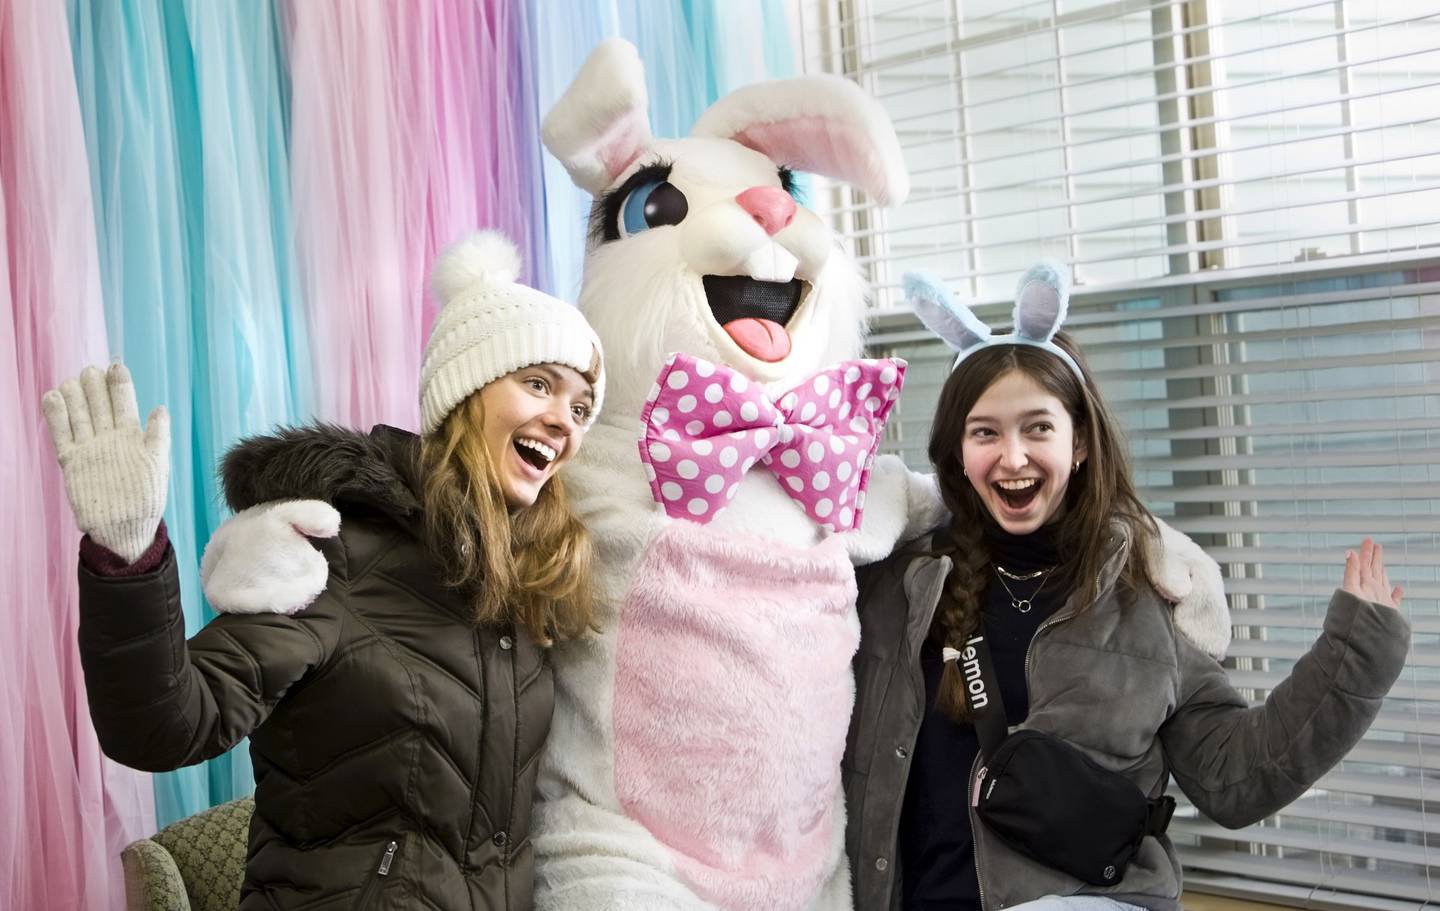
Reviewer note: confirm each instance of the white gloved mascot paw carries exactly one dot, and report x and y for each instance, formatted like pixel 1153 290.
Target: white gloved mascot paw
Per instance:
pixel 261 560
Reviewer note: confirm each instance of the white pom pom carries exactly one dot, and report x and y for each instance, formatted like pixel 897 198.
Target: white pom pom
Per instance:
pixel 481 258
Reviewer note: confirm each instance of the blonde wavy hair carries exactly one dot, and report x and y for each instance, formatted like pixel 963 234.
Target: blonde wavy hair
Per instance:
pixel 531 567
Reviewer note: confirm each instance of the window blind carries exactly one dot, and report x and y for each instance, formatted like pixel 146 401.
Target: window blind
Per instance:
pixel 1140 140
pixel 1245 194
pixel 1277 425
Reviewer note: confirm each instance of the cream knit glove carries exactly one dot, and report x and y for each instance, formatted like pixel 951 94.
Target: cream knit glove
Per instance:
pixel 115 474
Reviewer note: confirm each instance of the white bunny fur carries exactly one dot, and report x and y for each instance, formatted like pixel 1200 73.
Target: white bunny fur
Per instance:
pixel 644 296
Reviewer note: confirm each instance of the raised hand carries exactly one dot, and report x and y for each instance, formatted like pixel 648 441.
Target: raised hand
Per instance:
pixel 115 473
pixel 1365 576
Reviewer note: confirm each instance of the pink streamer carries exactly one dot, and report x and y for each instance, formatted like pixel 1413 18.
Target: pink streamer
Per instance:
pixel 358 151
pixel 461 190
pixel 410 129
pixel 357 222
pixel 65 810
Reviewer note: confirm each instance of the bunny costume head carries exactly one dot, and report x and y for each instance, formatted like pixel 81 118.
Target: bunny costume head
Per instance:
pixel 697 244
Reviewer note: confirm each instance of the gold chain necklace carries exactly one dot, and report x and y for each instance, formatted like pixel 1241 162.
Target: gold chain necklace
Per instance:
pixel 1023 605
pixel 1019 578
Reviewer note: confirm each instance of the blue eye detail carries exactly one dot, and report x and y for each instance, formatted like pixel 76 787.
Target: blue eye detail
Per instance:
pixel 795 184
pixel 654 203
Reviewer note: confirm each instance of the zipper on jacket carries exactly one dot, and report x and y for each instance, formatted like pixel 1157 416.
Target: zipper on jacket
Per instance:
pixel 477 644
pixel 916 680
pixel 1065 613
pixel 975 827
pixel 381 871
pixel 386 860
pixel 1058 618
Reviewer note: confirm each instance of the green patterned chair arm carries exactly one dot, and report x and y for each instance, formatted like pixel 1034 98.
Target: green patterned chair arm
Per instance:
pixel 207 854
pixel 152 881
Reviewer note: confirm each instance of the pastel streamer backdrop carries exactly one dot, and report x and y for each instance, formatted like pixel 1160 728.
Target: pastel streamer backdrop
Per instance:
pixel 242 202
pixel 64 809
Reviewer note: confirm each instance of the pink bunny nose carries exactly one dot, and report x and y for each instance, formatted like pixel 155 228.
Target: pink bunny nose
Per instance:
pixel 771 207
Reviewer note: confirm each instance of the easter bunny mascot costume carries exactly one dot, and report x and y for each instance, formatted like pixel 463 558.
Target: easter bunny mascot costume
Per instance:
pixel 695 757
pixel 730 487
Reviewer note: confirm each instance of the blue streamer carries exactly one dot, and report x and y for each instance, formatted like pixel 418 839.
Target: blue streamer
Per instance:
pixel 559 44
pixel 675 78
pixel 185 129
pixel 738 42
pixel 525 97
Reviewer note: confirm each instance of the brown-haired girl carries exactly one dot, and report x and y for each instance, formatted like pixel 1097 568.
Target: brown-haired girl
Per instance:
pixel 1044 557
pixel 395 723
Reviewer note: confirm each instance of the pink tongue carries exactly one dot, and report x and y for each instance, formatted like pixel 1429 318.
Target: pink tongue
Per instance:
pixel 762 339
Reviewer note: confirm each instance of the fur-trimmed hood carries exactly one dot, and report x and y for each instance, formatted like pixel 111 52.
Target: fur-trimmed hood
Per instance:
pixel 379 469
pixel 387 634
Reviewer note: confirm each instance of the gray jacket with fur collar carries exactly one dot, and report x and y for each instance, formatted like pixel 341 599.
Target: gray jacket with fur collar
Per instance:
pixel 1117 681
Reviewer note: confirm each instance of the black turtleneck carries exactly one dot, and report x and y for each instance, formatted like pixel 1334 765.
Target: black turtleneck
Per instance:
pixel 936 853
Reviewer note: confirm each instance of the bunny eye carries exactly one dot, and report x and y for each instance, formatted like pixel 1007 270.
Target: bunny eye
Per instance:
pixel 789 184
pixel 650 205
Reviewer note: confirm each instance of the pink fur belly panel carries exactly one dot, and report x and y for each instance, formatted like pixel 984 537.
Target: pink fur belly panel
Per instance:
pixel 733 692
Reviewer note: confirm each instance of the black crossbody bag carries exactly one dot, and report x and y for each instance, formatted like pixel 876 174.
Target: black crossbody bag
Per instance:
pixel 1045 798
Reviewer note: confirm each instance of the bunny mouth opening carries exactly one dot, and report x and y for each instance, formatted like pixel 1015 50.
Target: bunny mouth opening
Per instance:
pixel 754 313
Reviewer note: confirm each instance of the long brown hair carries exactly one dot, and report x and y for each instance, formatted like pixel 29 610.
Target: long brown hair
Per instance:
pixel 530 568
pixel 1099 493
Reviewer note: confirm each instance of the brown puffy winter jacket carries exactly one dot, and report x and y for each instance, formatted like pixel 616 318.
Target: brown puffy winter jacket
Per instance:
pixel 395 744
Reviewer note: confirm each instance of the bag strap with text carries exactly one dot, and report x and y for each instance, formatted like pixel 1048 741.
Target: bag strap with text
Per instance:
pixel 982 692
pixel 987 713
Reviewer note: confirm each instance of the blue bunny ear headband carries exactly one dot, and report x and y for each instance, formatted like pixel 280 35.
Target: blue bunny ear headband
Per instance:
pixel 1041 302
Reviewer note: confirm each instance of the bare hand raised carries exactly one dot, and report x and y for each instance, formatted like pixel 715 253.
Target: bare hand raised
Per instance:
pixel 1365 576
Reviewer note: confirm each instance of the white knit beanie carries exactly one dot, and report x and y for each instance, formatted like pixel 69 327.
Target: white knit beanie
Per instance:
pixel 489 326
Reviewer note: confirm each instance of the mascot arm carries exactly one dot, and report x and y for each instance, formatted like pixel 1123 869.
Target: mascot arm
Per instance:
pixel 900 504
pixel 610 495
pixel 262 561
pixel 1184 574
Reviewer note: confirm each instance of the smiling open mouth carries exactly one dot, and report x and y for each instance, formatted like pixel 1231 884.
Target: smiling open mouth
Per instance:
pixel 1017 494
pixel 754 313
pixel 536 453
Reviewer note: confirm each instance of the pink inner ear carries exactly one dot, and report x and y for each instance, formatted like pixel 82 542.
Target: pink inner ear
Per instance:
pixel 817 144
pixel 624 142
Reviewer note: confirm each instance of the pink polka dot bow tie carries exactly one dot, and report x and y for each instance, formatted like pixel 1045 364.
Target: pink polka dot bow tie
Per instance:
pixel 706 425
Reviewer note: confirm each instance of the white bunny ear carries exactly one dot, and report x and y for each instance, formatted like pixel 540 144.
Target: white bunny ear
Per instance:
pixel 938 310
pixel 823 124
pixel 1041 302
pixel 601 124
